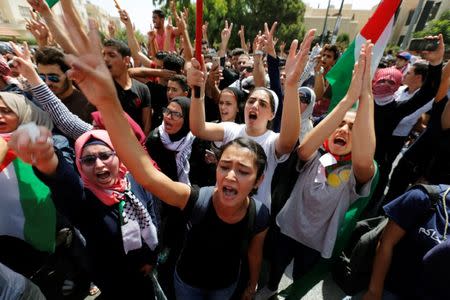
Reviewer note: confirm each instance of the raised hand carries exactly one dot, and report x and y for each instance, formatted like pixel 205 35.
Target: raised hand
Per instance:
pixel 112 29
pixel 25 54
pixel 354 91
pixel 366 89
pixel 296 61
pixel 124 17
pixel 88 67
pixel 38 152
pixel 435 57
pixel 269 39
pixel 26 69
pixel 196 76
pixel 39 30
pixel 226 32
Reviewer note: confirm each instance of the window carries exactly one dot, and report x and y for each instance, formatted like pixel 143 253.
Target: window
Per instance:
pixel 400 40
pixel 410 15
pixel 24 11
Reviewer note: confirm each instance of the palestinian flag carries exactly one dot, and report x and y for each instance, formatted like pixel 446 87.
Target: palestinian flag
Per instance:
pixel 51 2
pixel 377 29
pixel 26 209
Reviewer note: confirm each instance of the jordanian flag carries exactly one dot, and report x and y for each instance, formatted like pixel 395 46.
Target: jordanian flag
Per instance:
pixel 26 209
pixel 378 29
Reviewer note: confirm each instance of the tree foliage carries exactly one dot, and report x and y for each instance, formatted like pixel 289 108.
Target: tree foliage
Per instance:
pixel 250 13
pixel 441 25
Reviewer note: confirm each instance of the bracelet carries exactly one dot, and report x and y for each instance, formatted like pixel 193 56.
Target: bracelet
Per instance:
pixel 259 52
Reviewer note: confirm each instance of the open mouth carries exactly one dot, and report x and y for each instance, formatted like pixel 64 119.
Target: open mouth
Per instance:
pixel 103 175
pixel 229 191
pixel 340 141
pixel 109 67
pixel 252 115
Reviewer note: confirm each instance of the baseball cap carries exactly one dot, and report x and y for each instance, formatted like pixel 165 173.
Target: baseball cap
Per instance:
pixel 405 55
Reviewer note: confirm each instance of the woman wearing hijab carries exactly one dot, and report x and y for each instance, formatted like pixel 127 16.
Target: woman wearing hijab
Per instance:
pixel 25 241
pixel 114 213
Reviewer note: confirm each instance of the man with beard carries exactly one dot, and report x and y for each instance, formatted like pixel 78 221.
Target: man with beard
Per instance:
pixel 133 95
pixel 158 18
pixel 52 69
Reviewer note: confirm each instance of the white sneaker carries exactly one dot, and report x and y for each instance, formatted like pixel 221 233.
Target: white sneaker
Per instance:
pixel 264 293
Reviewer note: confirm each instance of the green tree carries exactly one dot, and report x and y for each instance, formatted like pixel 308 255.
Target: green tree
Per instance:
pixel 441 25
pixel 343 40
pixel 250 13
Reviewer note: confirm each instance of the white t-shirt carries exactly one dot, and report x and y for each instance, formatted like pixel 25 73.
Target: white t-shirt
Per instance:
pixel 317 205
pixel 267 142
pixel 407 123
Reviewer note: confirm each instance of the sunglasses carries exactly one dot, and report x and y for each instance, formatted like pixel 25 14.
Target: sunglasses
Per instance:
pixel 174 114
pixel 304 99
pixel 90 160
pixel 248 69
pixel 50 77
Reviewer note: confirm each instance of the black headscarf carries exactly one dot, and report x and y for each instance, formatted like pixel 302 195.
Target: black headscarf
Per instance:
pixel 185 104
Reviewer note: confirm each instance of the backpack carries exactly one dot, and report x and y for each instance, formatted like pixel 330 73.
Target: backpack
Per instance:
pixel 353 268
pixel 201 207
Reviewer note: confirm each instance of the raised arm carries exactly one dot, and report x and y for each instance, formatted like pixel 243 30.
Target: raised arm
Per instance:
pixel 70 124
pixel 55 28
pixel 225 38
pixel 199 127
pixel 363 132
pixel 445 83
pixel 94 79
pixel 131 38
pixel 290 118
pixel 241 34
pixel 180 20
pixel 391 235
pixel 325 128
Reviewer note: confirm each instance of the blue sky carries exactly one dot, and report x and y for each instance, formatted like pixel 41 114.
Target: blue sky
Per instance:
pixel 140 11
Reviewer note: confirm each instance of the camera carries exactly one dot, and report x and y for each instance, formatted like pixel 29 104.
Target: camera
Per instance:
pixel 423 44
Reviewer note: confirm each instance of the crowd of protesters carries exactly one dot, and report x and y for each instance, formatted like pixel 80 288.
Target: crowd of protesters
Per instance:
pixel 122 180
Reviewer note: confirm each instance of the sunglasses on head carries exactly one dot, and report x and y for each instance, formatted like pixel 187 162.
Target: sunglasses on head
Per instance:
pixel 91 159
pixel 50 77
pixel 174 114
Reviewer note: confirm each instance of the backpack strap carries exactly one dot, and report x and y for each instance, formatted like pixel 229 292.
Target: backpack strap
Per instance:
pixel 434 193
pixel 200 206
pixel 253 210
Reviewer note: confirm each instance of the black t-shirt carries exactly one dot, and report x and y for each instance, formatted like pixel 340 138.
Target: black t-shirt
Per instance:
pixel 79 105
pixel 160 101
pixel 212 252
pixel 134 100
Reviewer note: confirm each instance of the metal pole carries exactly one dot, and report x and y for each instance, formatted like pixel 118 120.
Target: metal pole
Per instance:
pixel 337 25
pixel 412 23
pixel 325 24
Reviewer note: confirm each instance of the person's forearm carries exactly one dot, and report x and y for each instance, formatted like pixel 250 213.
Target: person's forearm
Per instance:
pixel 223 48
pixel 58 34
pixel 197 118
pixel 290 120
pixel 147 120
pixel 167 41
pixel 381 265
pixel 319 83
pixel 445 83
pixel 363 139
pixel 311 143
pixel 188 53
pixel 133 44
pixel 258 71
pixel 243 43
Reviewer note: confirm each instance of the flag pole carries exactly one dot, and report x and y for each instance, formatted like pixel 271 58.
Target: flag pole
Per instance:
pixel 198 38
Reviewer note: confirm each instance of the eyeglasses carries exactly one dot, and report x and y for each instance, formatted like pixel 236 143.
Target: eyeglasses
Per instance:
pixel 174 114
pixel 90 160
pixel 50 77
pixel 304 99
